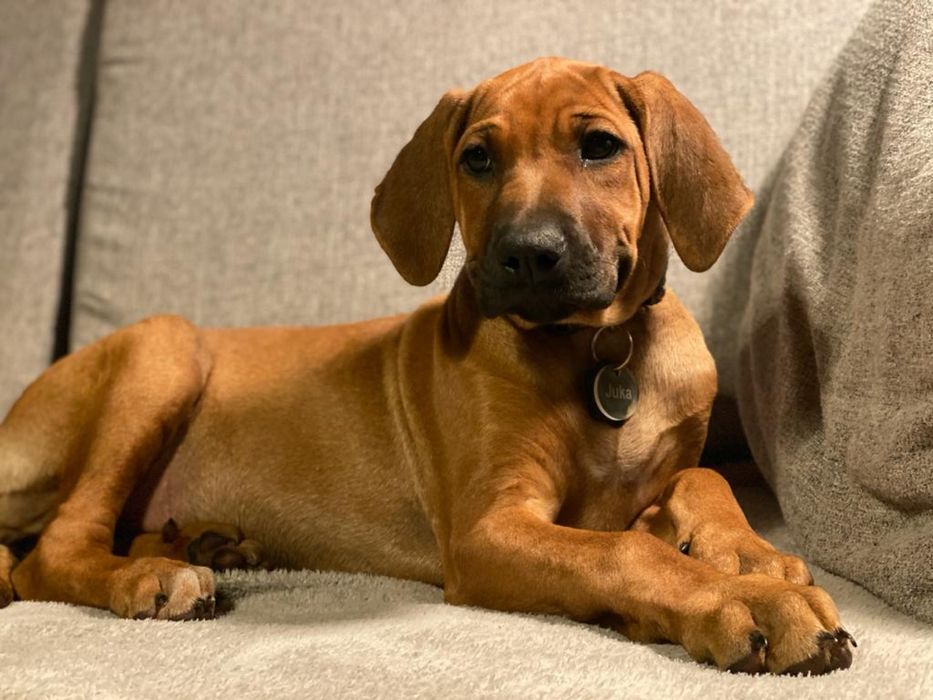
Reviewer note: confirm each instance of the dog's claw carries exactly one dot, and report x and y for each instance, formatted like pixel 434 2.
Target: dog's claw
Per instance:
pixel 842 634
pixel 754 662
pixel 833 654
pixel 200 607
pixel 205 608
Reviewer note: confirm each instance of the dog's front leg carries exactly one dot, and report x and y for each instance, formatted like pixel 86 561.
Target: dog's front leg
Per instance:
pixel 698 514
pixel 511 556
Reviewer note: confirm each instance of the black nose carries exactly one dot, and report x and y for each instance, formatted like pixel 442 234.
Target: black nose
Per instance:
pixel 531 254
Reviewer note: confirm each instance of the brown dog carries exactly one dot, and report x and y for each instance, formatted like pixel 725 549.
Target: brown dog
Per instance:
pixel 455 445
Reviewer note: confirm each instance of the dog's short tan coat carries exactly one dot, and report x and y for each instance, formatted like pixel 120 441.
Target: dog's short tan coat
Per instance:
pixel 442 446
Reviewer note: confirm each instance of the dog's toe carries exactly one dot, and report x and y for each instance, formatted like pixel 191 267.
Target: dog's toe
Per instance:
pixel 202 609
pixel 222 551
pixel 162 589
pixel 833 654
pixel 228 557
pixel 756 660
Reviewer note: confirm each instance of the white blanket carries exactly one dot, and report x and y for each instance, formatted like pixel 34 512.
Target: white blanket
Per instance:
pixel 326 635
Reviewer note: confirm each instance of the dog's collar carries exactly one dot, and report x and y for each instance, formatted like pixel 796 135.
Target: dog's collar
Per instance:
pixel 571 328
pixel 658 292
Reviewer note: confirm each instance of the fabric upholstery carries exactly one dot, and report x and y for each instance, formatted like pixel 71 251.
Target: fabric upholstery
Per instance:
pixel 41 113
pixel 836 374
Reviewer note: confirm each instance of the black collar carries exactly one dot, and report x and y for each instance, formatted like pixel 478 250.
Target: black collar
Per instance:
pixel 658 292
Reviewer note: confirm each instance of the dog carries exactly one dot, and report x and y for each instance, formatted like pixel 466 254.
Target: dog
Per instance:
pixel 529 442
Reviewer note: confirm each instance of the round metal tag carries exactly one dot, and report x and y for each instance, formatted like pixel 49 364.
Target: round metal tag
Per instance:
pixel 615 393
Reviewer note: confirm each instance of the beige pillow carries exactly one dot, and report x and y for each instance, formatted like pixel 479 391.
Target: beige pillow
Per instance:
pixel 836 359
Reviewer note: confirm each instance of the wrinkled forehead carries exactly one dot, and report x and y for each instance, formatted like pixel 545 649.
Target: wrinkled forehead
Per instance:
pixel 547 95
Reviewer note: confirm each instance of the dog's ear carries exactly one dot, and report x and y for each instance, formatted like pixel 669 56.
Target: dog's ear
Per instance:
pixel 412 211
pixel 698 192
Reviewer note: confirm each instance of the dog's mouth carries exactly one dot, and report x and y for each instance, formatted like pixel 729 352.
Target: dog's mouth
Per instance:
pixel 547 309
pixel 546 303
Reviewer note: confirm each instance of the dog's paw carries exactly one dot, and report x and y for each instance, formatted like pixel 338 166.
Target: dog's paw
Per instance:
pixel 215 545
pixel 740 551
pixel 222 547
pixel 759 624
pixel 163 589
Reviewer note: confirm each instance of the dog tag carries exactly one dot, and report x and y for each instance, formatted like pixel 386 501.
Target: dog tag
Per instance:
pixel 613 393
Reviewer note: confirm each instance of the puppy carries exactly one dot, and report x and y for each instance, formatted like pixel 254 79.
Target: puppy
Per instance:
pixel 529 442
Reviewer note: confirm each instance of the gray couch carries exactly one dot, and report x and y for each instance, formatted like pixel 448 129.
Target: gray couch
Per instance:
pixel 216 159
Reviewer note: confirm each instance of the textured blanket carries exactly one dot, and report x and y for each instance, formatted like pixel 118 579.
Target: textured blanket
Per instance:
pixel 835 376
pixel 325 635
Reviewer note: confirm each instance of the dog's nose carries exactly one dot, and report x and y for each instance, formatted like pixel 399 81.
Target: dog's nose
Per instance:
pixel 531 253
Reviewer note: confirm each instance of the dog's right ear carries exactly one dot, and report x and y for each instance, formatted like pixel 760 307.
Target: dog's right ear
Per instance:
pixel 412 211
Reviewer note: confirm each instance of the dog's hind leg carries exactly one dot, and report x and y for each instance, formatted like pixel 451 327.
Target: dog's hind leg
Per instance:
pixel 29 481
pixel 23 513
pixel 29 472
pixel 110 412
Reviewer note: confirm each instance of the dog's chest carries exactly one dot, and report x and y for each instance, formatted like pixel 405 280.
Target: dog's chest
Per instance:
pixel 622 469
pixel 632 454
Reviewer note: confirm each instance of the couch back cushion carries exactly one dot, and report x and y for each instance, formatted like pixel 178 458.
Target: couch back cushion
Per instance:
pixel 236 144
pixel 42 92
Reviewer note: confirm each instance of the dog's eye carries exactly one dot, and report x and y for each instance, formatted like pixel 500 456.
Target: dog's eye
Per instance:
pixel 476 160
pixel 599 145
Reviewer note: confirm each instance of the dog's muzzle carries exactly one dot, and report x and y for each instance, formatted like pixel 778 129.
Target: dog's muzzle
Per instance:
pixel 543 273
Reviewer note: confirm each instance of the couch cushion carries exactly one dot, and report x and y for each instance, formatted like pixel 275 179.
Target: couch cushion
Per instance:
pixel 236 144
pixel 837 343
pixel 41 46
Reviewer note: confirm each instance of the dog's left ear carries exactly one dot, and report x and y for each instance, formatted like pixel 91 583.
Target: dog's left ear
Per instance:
pixel 698 192
pixel 412 212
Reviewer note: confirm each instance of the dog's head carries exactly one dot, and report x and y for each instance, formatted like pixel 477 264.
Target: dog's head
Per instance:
pixel 563 177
